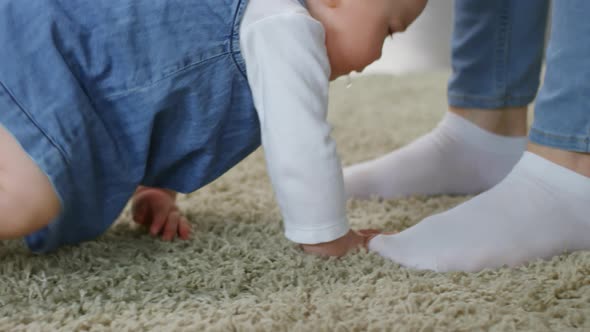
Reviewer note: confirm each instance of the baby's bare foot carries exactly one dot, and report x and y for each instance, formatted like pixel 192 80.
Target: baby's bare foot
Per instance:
pixel 156 208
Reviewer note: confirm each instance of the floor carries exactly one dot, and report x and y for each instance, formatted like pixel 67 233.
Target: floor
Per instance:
pixel 238 272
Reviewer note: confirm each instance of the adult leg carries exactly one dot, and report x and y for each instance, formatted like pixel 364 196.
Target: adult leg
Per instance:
pixel 542 207
pixel 497 54
pixel 561 129
pixel 27 199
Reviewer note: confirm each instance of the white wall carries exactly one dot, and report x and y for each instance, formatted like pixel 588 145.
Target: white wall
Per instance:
pixel 424 46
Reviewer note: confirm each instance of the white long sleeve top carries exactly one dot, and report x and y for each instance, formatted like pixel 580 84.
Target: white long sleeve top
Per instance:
pixel 288 72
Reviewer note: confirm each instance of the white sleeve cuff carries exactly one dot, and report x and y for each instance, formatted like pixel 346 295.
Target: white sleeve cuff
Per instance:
pixel 316 235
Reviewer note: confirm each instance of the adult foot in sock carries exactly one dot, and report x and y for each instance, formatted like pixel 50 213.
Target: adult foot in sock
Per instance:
pixel 539 210
pixel 457 157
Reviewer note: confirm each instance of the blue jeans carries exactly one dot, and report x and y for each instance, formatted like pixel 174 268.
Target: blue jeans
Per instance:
pixel 497 56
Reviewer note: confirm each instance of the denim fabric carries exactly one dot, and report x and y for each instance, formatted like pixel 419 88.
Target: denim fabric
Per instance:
pixel 497 55
pixel 562 111
pixel 497 51
pixel 108 95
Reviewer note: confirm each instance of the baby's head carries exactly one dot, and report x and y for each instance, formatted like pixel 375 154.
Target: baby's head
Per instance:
pixel 356 29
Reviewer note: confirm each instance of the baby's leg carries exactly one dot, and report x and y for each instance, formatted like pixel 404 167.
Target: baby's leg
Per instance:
pixel 28 201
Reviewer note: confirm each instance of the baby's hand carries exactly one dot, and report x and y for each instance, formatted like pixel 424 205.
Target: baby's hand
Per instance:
pixel 156 208
pixel 351 241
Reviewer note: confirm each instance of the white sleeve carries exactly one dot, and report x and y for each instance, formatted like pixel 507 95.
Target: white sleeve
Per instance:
pixel 288 72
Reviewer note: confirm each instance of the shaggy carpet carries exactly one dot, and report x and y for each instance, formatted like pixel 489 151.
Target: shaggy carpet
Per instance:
pixel 239 273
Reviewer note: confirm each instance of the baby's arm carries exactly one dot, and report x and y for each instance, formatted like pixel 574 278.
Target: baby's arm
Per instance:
pixel 289 72
pixel 156 208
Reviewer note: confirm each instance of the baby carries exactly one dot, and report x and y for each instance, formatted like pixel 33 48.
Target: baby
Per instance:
pixel 102 101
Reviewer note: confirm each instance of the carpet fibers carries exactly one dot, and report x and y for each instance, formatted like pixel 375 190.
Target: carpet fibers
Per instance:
pixel 239 273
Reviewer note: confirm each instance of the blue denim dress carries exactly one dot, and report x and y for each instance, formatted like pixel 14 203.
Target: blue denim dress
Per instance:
pixel 107 95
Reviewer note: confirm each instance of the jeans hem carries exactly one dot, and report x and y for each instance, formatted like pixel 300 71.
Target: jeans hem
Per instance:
pixel 562 142
pixel 483 102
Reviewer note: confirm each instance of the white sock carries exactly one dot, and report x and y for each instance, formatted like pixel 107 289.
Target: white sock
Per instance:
pixel 538 211
pixel 457 157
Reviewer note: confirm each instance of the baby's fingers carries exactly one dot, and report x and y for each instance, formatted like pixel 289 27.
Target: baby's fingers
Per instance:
pixel 369 232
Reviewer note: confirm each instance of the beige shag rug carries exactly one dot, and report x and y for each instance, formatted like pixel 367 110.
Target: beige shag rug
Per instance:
pixel 239 273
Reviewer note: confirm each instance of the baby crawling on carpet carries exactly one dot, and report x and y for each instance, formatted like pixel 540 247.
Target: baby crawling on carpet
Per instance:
pixel 102 101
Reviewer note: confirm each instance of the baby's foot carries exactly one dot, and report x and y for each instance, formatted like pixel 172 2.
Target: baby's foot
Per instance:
pixel 538 211
pixel 156 209
pixel 457 157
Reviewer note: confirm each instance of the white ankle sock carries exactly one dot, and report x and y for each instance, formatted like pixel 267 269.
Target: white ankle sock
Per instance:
pixel 538 211
pixel 457 157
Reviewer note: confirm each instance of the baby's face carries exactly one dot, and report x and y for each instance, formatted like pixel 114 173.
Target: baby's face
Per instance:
pixel 356 29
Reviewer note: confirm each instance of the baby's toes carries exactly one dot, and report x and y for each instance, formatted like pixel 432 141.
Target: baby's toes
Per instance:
pixel 171 227
pixel 139 213
pixel 184 228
